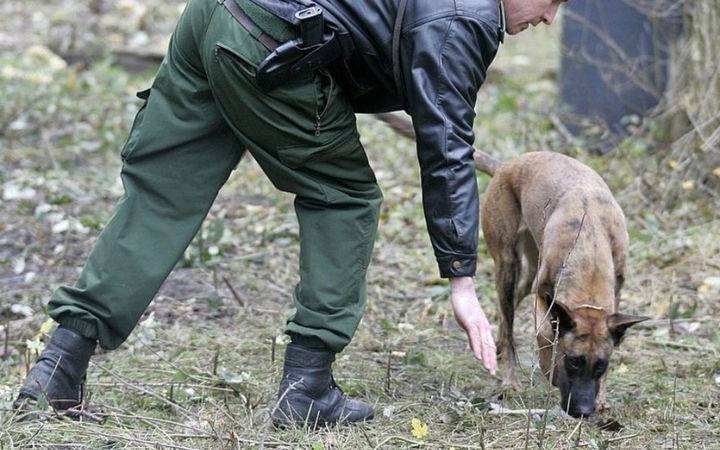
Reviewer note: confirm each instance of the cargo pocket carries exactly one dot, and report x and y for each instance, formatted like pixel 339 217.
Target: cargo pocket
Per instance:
pixel 243 64
pixel 334 133
pixel 296 156
pixel 134 135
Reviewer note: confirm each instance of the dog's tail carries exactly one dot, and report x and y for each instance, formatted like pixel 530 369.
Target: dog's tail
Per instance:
pixel 398 124
pixel 483 161
pixel 486 163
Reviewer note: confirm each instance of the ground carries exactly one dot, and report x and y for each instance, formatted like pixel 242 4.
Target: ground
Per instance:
pixel 201 370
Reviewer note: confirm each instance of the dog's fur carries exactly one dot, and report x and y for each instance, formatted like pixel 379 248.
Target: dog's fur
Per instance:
pixel 554 230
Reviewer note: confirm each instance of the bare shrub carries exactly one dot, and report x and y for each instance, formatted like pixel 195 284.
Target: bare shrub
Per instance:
pixel 691 107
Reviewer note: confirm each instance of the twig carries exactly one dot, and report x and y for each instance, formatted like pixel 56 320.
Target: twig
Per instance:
pixel 662 323
pixel 496 409
pixel 578 430
pixel 399 438
pixel 268 424
pixel 188 415
pixel 416 443
pixel 366 435
pixel 7 338
pixel 387 373
pixel 672 412
pixel 562 129
pixel 272 350
pixel 683 346
pixel 215 362
pixel 83 414
pixel 235 294
pixel 608 440
pixel 126 438
pixel 32 437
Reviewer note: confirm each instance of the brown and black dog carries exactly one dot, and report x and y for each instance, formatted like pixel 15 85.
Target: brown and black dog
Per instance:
pixel 554 230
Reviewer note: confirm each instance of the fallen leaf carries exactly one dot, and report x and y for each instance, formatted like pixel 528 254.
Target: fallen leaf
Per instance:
pixel 419 428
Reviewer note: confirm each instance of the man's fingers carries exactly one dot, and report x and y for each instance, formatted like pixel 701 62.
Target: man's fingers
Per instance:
pixel 489 357
pixel 484 350
pixel 472 319
pixel 488 353
pixel 475 345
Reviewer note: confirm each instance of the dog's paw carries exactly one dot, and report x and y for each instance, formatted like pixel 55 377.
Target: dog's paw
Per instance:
pixel 510 382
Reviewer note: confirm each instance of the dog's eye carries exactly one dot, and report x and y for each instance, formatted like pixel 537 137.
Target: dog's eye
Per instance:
pixel 600 367
pixel 574 363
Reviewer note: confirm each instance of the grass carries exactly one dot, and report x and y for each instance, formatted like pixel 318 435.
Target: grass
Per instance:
pixel 202 369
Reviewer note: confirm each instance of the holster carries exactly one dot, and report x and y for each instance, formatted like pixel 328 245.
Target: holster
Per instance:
pixel 294 58
pixel 321 42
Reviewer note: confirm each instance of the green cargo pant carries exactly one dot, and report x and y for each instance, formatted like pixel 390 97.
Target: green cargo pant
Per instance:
pixel 202 111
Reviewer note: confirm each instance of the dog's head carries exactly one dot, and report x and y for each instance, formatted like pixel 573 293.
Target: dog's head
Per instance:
pixel 586 337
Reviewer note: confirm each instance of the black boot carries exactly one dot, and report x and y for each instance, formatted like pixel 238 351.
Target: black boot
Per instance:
pixel 308 394
pixel 59 372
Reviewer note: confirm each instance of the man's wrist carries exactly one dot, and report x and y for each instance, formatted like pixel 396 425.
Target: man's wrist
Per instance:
pixel 461 283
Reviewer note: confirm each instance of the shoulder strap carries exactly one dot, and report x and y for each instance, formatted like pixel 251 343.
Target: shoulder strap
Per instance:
pixel 397 28
pixel 284 9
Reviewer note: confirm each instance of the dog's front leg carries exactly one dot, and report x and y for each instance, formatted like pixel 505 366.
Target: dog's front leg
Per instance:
pixel 507 271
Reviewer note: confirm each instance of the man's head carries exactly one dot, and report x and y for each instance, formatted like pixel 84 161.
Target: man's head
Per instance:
pixel 520 14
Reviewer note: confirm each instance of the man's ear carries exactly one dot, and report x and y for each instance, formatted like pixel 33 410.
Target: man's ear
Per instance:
pixel 561 318
pixel 617 324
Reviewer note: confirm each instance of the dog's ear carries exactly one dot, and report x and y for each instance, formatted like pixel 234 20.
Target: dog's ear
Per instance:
pixel 546 292
pixel 561 317
pixel 618 323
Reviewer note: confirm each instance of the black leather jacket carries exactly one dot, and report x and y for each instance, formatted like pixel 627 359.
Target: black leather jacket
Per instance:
pixel 446 47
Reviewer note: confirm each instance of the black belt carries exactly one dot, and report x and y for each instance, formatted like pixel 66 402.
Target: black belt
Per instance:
pixel 247 23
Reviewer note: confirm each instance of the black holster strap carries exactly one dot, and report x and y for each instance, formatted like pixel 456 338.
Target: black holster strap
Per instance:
pixel 247 23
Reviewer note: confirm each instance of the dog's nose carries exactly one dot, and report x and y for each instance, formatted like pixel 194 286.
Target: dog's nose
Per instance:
pixel 581 410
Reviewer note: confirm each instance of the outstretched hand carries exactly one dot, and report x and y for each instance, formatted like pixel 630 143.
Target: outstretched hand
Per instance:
pixel 471 317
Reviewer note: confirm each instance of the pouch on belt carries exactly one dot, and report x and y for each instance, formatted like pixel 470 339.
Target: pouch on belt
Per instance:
pixel 321 41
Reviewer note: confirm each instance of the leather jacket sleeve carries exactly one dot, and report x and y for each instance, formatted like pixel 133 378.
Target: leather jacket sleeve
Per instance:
pixel 445 49
pixel 444 63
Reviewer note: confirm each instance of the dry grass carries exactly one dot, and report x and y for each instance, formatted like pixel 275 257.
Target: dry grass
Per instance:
pixel 202 369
